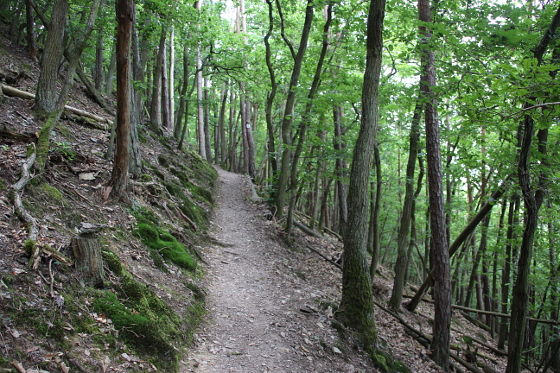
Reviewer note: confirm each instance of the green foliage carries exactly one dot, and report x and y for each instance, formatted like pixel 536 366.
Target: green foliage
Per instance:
pixel 166 245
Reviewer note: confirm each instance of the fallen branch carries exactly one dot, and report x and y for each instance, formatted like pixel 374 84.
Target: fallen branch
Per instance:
pixel 325 257
pixel 426 341
pixel 304 228
pixel 13 92
pixel 491 313
pixel 330 231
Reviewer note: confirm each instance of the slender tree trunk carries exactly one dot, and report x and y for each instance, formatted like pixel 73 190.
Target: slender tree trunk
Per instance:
pixel 533 200
pixel 99 62
pixel 180 112
pixel 155 107
pixel 166 123
pixel 199 87
pixel 30 22
pixel 119 176
pixel 171 84
pixel 306 118
pixel 135 162
pixel 374 233
pixel 439 246
pixel 271 95
pixel 111 74
pixel 513 213
pixel 340 168
pixel 356 307
pixel 222 155
pixel 287 119
pixel 206 117
pixel 403 239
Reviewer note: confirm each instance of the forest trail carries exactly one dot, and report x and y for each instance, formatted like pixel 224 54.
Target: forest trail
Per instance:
pixel 255 298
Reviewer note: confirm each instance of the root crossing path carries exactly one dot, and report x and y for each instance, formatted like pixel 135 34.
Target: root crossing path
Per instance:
pixel 265 313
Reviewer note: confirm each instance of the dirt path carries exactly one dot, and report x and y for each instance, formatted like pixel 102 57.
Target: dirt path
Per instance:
pixel 264 315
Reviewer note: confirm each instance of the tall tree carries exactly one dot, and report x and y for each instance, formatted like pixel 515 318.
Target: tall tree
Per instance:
pixel 287 119
pixel 356 306
pixel 439 245
pixel 119 176
pixel 533 198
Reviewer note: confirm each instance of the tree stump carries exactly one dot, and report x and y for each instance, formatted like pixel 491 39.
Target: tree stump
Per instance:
pixel 87 254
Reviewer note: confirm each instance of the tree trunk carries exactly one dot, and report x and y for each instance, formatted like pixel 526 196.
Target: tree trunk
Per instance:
pixel 340 168
pixel 135 164
pixel 31 42
pixel 99 62
pixel 182 98
pixel 439 245
pixel 356 307
pixel 206 107
pixel 171 94
pixel 374 230
pixel 87 256
pixel 306 118
pixel 155 107
pixel 166 123
pixel 222 156
pixel 109 79
pixel 403 239
pixel 46 94
pixel 271 95
pixel 532 199
pixel 119 176
pixel 287 119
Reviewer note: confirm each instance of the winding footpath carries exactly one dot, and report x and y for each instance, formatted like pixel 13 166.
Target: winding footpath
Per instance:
pixel 254 322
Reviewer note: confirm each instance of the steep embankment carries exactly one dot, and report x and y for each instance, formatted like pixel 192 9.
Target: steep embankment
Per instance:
pixel 144 313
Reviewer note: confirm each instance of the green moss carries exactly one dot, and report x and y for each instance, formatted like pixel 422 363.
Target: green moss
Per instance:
pixel 188 207
pixel 143 215
pixel 157 172
pixel 29 246
pixel 166 245
pixel 50 192
pixel 386 362
pixel 146 178
pixel 3 186
pixel 113 262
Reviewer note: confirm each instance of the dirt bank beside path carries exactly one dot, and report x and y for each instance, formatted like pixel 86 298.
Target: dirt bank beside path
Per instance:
pixel 268 307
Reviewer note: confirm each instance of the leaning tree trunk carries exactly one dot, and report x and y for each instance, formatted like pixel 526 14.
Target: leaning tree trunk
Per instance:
pixel 533 200
pixel 356 306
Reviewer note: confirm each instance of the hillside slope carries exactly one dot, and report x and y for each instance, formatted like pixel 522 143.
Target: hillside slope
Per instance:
pixel 143 315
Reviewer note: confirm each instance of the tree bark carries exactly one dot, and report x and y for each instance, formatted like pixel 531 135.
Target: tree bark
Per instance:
pixel 287 119
pixel 439 244
pixel 155 107
pixel 46 93
pixel 532 199
pixel 356 307
pixel 119 176
pixel 31 42
pixel 403 239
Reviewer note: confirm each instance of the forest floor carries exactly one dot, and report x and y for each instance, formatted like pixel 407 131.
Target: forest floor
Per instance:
pixel 270 308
